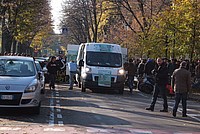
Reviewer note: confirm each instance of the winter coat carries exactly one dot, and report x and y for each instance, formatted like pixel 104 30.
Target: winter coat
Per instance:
pixel 181 80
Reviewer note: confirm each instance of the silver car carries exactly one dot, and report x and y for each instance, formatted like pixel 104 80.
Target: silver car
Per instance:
pixel 42 78
pixel 20 84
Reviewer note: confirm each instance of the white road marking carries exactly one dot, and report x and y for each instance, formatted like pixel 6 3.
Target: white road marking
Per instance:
pixel 54 129
pixel 51 114
pixel 60 123
pixel 196 115
pixel 9 129
pixel 141 131
pixel 58 110
pixel 57 105
pixel 57 95
pixel 59 116
pixel 97 130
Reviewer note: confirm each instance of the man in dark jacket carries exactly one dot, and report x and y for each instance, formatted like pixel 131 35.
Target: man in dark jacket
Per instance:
pixel 131 74
pixel 161 78
pixel 52 70
pixel 181 83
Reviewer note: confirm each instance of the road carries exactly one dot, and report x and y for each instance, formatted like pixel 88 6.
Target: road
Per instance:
pixel 73 112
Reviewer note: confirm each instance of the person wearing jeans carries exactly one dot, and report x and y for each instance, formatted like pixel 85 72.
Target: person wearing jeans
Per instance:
pixel 73 70
pixel 161 79
pixel 181 83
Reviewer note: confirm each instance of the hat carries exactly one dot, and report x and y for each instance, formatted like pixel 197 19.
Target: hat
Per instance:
pixel 183 64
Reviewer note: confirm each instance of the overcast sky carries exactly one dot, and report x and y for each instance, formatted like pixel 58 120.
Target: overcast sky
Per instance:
pixel 56 6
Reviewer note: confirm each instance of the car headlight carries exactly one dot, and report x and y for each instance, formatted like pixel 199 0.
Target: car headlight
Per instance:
pixel 121 71
pixel 30 89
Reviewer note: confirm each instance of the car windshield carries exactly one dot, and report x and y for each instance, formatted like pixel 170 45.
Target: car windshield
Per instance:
pixel 18 68
pixel 104 59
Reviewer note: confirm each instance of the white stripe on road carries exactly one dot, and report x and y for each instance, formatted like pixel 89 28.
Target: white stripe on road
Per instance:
pixel 51 115
pixel 59 116
pixel 58 110
pixel 196 115
pixel 57 105
pixel 57 95
pixel 60 123
pixel 54 129
pixel 9 129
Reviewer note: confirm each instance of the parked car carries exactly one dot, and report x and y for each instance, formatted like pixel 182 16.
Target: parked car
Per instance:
pixel 42 79
pixel 20 85
pixel 43 62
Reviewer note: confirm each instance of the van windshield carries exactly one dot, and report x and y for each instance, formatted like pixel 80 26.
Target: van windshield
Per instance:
pixel 104 59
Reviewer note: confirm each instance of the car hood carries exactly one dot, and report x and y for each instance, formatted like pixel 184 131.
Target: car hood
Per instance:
pixel 14 83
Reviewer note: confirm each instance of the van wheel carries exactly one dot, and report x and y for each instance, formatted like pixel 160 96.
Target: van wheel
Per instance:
pixel 83 89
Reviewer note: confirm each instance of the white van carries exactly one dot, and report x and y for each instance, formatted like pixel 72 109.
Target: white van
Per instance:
pixel 100 67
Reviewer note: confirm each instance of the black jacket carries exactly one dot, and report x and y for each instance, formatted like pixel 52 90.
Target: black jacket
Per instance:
pixel 161 74
pixel 52 67
pixel 131 69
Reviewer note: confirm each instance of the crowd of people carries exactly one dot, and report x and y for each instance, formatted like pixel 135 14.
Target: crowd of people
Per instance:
pixel 177 73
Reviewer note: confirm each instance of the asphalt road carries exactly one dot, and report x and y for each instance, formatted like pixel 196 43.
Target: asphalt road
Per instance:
pixel 73 112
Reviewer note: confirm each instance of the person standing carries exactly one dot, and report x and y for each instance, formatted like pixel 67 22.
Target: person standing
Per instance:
pixel 72 72
pixel 52 70
pixel 131 74
pixel 161 80
pixel 181 83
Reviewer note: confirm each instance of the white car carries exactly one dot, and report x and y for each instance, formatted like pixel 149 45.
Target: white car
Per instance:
pixel 20 84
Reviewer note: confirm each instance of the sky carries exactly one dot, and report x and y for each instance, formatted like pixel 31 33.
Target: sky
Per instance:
pixel 56 6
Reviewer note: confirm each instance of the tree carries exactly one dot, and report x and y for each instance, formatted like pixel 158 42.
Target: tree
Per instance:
pixel 25 19
pixel 181 23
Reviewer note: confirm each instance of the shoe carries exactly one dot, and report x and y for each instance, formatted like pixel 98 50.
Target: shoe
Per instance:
pixel 174 114
pixel 150 109
pixel 70 88
pixel 164 110
pixel 184 115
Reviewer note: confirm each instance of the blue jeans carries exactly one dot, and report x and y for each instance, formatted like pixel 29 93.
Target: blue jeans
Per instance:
pixel 162 90
pixel 71 78
pixel 178 98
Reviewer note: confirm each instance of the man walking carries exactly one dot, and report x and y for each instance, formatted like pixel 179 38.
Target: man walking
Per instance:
pixel 131 74
pixel 52 70
pixel 161 79
pixel 72 69
pixel 181 83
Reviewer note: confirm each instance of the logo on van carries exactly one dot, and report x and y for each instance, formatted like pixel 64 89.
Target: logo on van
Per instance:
pixel 7 87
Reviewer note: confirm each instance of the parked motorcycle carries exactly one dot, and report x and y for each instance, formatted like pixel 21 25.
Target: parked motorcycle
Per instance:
pixel 146 84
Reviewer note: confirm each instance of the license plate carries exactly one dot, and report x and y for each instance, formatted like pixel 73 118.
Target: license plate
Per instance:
pixel 6 97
